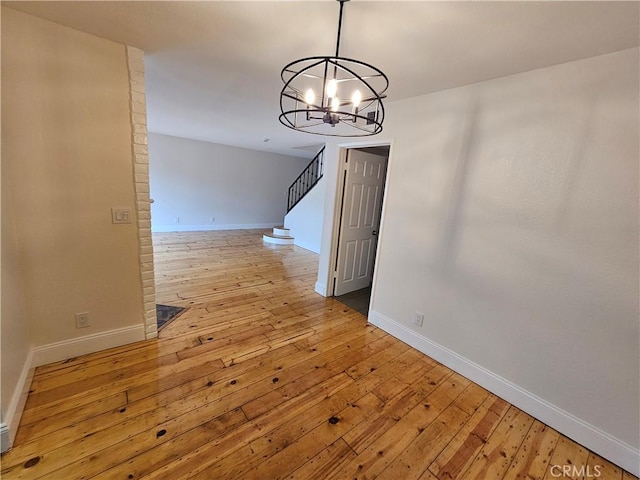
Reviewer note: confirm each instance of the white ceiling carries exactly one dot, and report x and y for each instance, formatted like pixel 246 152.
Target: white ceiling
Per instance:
pixel 213 68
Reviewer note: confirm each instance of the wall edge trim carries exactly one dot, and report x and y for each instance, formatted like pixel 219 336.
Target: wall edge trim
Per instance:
pixel 321 288
pixel 206 228
pixel 9 428
pixel 604 444
pixel 55 352
pixel 5 442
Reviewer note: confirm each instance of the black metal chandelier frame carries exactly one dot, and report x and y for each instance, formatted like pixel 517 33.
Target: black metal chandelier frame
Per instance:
pixel 365 116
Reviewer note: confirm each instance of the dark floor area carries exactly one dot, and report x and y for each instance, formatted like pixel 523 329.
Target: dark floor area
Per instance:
pixel 358 300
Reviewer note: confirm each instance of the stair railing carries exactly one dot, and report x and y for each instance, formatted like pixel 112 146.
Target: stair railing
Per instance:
pixel 306 180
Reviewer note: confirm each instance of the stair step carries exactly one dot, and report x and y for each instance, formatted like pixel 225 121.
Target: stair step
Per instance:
pixel 281 231
pixel 277 239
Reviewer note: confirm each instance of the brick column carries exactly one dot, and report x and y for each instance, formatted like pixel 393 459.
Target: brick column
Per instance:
pixel 137 102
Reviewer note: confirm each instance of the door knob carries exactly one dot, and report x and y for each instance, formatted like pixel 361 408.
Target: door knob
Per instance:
pixel 374 233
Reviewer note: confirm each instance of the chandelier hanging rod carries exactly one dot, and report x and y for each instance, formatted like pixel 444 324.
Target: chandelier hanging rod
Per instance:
pixel 339 27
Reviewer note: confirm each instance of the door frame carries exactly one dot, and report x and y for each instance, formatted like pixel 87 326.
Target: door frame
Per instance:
pixel 335 227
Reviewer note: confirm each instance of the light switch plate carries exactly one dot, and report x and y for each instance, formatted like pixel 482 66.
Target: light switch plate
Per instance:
pixel 120 215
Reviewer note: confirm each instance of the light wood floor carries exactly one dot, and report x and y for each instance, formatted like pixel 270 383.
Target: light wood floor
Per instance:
pixel 263 379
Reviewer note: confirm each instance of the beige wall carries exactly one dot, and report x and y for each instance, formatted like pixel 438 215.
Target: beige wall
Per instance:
pixel 66 160
pixel 14 334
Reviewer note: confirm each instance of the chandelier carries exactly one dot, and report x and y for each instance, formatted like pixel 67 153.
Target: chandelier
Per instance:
pixel 334 96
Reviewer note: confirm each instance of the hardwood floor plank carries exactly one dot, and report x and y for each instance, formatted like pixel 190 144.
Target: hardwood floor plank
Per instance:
pixel 567 453
pixel 80 387
pixel 324 463
pixel 37 428
pixel 532 460
pixel 262 378
pixel 415 459
pixel 395 408
pixel 280 458
pixel 462 450
pixel 202 458
pixel 498 452
pixel 472 397
pixel 385 448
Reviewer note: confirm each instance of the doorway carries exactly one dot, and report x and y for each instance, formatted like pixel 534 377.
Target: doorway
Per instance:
pixel 363 183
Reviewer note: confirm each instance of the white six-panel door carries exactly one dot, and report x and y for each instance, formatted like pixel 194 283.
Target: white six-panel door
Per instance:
pixel 361 205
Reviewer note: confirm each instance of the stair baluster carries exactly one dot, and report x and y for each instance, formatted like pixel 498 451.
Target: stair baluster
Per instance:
pixel 306 180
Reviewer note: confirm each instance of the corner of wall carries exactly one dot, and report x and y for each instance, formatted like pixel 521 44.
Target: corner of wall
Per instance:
pixel 15 408
pixel 138 109
pixel 321 288
pixel 5 441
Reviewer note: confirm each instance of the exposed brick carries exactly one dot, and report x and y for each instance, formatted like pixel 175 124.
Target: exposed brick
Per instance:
pixel 146 241
pixel 135 63
pixel 139 118
pixel 139 177
pixel 141 168
pixel 139 108
pixel 139 129
pixel 137 86
pixel 137 97
pixel 141 157
pixel 140 139
pixel 136 68
pixel 141 149
pixel 149 300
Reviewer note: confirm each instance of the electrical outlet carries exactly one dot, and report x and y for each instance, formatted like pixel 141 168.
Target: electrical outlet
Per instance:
pixel 82 320
pixel 177 219
pixel 418 318
pixel 213 219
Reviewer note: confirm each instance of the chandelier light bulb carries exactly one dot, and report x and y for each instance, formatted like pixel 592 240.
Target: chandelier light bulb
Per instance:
pixel 309 97
pixel 356 98
pixel 335 103
pixel 332 88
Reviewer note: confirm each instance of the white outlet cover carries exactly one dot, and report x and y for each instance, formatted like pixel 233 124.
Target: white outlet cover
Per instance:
pixel 82 320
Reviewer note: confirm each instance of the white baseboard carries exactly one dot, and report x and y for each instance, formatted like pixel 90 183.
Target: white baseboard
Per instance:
pixel 573 427
pixel 321 288
pixel 16 405
pixel 306 245
pixel 206 228
pixel 54 352
pixel 5 441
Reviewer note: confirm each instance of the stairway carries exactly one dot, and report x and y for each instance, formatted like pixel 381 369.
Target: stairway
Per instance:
pixel 297 190
pixel 280 236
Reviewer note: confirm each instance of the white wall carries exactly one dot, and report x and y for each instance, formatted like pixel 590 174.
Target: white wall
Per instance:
pixel 195 181
pixel 511 221
pixel 66 160
pixel 305 219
